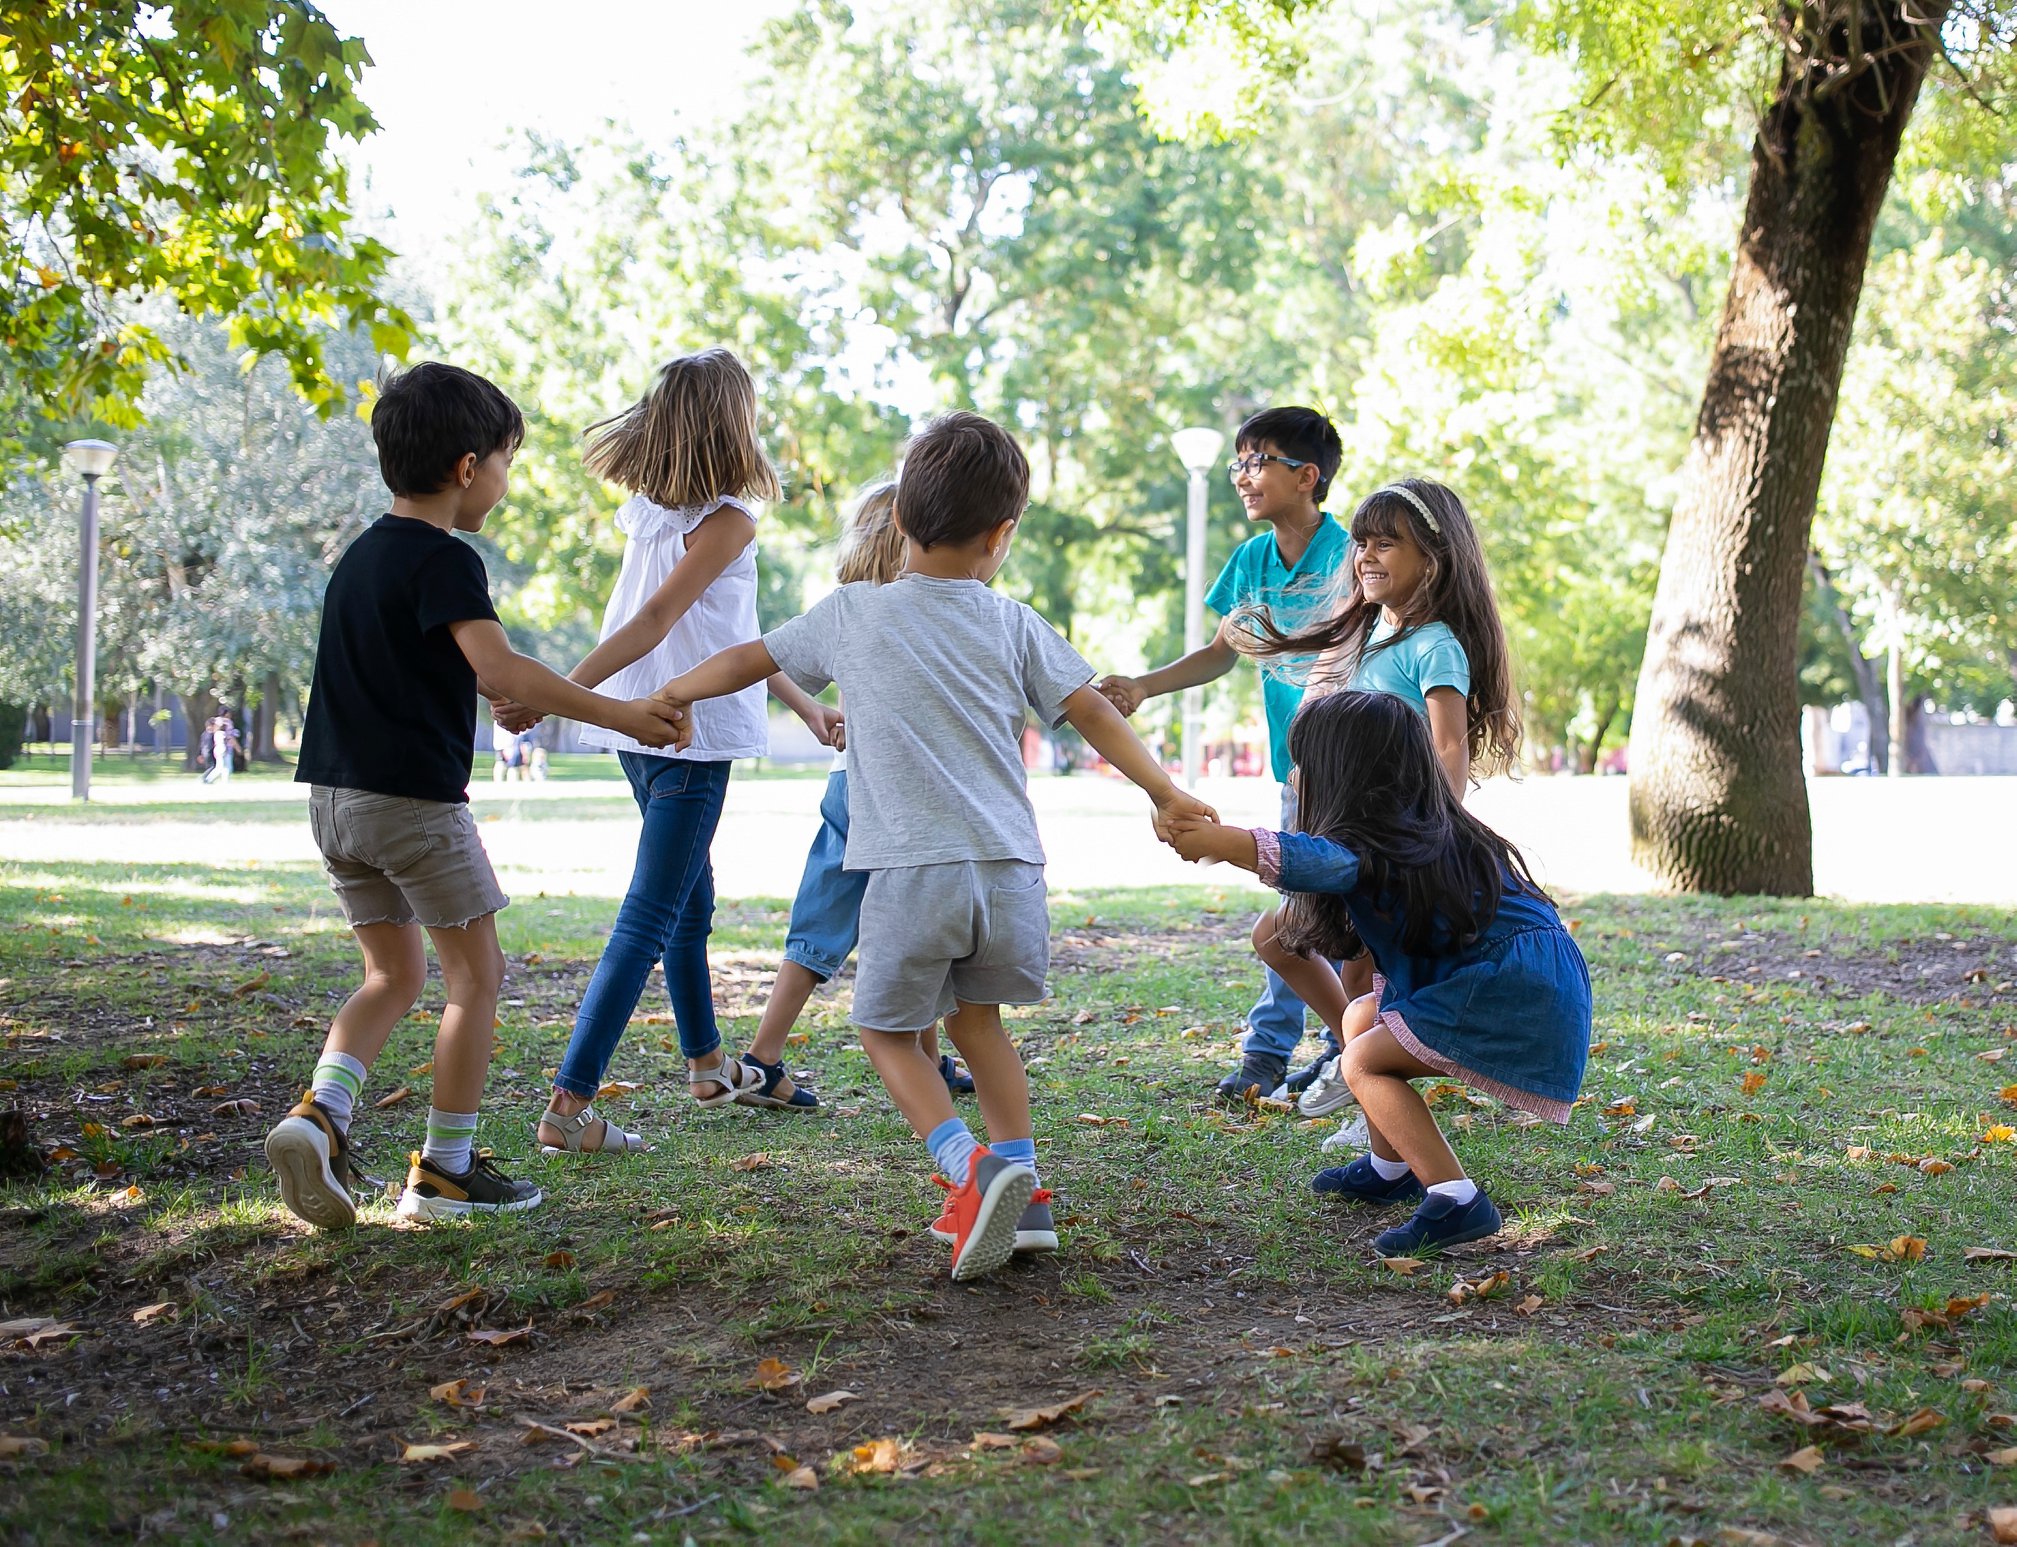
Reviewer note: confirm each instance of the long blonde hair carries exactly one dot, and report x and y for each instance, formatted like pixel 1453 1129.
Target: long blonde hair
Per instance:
pixel 690 439
pixel 871 543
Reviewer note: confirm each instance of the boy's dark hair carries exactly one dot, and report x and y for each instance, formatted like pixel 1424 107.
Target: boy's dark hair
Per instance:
pixel 963 476
pixel 1302 433
pixel 429 418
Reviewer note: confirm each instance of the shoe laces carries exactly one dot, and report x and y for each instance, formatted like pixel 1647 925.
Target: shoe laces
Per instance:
pixel 942 1182
pixel 1041 1195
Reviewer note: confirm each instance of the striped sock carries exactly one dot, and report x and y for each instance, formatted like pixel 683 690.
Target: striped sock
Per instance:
pixel 1022 1151
pixel 952 1146
pixel 335 1086
pixel 448 1140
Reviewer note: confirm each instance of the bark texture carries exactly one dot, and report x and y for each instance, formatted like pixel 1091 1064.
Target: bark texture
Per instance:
pixel 1718 798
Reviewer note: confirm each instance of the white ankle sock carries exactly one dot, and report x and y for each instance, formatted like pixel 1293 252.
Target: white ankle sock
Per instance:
pixel 1387 1170
pixel 448 1140
pixel 335 1086
pixel 1460 1192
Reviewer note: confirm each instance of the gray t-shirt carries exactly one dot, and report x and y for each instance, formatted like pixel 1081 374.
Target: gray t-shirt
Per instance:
pixel 936 674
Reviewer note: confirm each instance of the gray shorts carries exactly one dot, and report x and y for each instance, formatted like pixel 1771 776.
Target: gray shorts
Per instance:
pixel 395 860
pixel 934 935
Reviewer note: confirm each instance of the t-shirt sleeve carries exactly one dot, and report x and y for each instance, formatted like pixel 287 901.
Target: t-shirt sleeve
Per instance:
pixel 804 647
pixel 1312 864
pixel 451 587
pixel 1227 592
pixel 1051 669
pixel 1441 663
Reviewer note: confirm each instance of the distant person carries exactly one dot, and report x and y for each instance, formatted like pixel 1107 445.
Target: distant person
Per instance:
pixel 408 635
pixel 1283 462
pixel 689 454
pixel 225 749
pixel 1479 981
pixel 510 756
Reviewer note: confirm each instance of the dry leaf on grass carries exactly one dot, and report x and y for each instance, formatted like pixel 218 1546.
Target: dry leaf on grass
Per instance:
pixel 252 985
pixel 774 1375
pixel 1999 1133
pixel 242 1106
pixel 1926 1418
pixel 1528 1306
pixel 2002 1457
pixel 559 1260
pixel 148 1313
pixel 1042 1450
pixel 2003 1524
pixel 414 1455
pixel 1806 1460
pixel 498 1339
pixel 589 1428
pixel 137 1120
pixel 34 1331
pixel 143 1060
pixel 1462 1292
pixel 456 1302
pixel 1407 1267
pixel 831 1402
pixel 464 1501
pixel 226 1447
pixel 596 1301
pixel 1987 1254
pixel 1804 1375
pixel 1754 1082
pixel 636 1400
pixel 285 1468
pixel 1042 1417
pixel 392 1098
pixel 803 1477
pixel 760 1161
pixel 877 1457
pixel 988 1440
pixel 22 1445
pixel 458 1393
pixel 1903 1248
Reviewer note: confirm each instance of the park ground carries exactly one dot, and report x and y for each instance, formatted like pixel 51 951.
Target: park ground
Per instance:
pixel 1761 1287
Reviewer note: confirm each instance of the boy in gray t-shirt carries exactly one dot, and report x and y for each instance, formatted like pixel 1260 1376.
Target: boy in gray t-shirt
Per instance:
pixel 937 672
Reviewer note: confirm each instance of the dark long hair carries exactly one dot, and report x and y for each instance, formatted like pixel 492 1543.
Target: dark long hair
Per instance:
pixel 1368 779
pixel 1456 591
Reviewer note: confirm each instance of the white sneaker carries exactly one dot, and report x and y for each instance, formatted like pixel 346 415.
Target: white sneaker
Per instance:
pixel 1352 1134
pixel 1327 1092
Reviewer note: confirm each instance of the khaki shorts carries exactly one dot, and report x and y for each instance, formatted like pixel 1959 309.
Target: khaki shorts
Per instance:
pixel 932 936
pixel 395 860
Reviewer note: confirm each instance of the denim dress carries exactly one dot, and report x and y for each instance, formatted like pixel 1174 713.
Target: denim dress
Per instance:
pixel 1508 1013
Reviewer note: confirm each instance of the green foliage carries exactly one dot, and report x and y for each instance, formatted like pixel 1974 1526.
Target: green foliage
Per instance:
pixel 184 151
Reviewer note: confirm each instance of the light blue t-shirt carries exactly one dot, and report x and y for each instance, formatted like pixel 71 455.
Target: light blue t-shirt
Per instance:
pixel 1423 658
pixel 1296 597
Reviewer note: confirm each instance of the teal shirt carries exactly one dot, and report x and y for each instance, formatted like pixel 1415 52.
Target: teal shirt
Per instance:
pixel 1296 597
pixel 1423 658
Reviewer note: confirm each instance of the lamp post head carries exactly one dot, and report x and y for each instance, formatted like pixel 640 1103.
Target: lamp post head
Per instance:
pixel 91 458
pixel 1197 448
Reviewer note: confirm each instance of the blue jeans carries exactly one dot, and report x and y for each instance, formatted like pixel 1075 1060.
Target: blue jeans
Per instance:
pixel 666 916
pixel 1275 1024
pixel 826 914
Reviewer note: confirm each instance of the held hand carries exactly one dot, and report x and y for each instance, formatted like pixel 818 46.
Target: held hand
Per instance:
pixel 514 716
pixel 1124 693
pixel 1195 840
pixel 1180 809
pixel 658 722
pixel 839 742
pixel 825 725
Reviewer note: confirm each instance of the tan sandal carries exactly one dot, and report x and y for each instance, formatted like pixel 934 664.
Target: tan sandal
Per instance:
pixel 615 1140
pixel 732 1076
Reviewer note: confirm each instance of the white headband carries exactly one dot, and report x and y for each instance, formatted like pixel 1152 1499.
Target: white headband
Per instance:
pixel 1415 500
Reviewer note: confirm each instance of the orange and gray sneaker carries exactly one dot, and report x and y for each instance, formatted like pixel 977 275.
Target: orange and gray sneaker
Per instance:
pixel 981 1217
pixel 434 1193
pixel 1036 1230
pixel 311 1159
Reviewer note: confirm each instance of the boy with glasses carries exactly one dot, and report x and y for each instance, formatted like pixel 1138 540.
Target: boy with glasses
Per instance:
pixel 1283 463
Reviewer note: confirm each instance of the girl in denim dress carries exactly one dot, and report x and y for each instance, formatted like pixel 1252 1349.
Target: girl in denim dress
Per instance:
pixel 1478 981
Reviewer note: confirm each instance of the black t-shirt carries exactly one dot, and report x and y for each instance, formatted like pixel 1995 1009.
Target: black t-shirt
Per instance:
pixel 393 705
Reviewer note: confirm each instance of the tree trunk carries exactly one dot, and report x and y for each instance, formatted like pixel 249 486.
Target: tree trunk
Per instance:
pixel 262 749
pixel 198 708
pixel 1718 798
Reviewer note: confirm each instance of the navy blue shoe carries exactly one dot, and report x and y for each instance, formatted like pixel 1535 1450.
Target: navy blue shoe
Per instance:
pixel 765 1095
pixel 1439 1223
pixel 1257 1076
pixel 957 1080
pixel 1360 1183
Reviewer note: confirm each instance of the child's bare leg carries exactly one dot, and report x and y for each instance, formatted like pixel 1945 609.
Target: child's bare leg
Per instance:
pixel 789 995
pixel 1379 1069
pixel 1312 979
pixel 928 1040
pixel 911 1079
pixel 472 971
pixel 395 971
pixel 997 1068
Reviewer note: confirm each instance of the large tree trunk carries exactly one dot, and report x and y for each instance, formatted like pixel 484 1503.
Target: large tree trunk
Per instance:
pixel 1718 799
pixel 264 720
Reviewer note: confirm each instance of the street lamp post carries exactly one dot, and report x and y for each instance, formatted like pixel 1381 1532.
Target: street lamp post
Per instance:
pixel 92 460
pixel 1197 448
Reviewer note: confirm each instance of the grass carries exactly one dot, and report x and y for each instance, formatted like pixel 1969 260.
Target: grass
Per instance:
pixel 1261 1378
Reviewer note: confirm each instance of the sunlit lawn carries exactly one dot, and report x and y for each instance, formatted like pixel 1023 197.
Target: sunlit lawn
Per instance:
pixel 1833 1076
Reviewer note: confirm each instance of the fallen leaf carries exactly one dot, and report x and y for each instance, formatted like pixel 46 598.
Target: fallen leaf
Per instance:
pixel 1461 1291
pixel 419 1069
pixel 831 1402
pixel 1806 1460
pixel 34 1331
pixel 1999 1133
pixel 243 1106
pixel 596 1301
pixel 1908 1248
pixel 285 1468
pixel 1932 1165
pixel 1926 1418
pixel 143 1060
pixel 987 1440
pixel 1407 1267
pixel 2002 1457
pixel 880 1456
pixel 589 1428
pixel 1753 1082
pixel 636 1400
pixel 414 1455
pixel 1987 1254
pixel 137 1120
pixel 456 1302
pixel 760 1161
pixel 252 985
pixel 148 1313
pixel 497 1339
pixel 1042 1450
pixel 614 1088
pixel 2003 1523
pixel 560 1259
pixel 392 1098
pixel 1804 1375
pixel 1528 1306
pixel 463 1500
pixel 1042 1417
pixel 803 1477
pixel 774 1375
pixel 22 1445
pixel 1588 1254
pixel 226 1447
pixel 457 1393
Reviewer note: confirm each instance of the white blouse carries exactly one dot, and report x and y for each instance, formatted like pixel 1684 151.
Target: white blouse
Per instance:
pixel 724 615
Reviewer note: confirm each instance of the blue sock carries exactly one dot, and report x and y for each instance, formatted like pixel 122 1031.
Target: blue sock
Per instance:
pixel 952 1146
pixel 1022 1151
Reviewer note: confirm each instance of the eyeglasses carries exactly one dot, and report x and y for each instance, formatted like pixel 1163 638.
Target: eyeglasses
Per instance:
pixel 1253 462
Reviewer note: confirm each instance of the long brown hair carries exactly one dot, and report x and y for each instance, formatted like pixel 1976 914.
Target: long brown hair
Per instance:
pixel 871 544
pixel 1456 591
pixel 690 439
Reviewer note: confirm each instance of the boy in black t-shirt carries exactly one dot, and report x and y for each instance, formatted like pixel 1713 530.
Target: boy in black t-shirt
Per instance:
pixel 409 637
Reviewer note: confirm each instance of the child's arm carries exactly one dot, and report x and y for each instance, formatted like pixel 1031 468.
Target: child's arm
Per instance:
pixel 484 645
pixel 1208 664
pixel 819 719
pixel 710 548
pixel 1450 729
pixel 726 671
pixel 1093 716
pixel 1200 840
